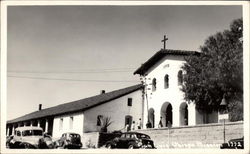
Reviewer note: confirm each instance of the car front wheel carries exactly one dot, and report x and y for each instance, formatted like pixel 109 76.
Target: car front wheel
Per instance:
pixel 130 146
pixel 109 146
pixel 65 146
pixel 27 146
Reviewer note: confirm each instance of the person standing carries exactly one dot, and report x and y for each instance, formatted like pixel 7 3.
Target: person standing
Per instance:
pixel 139 124
pixel 149 125
pixel 127 128
pixel 160 125
pixel 133 125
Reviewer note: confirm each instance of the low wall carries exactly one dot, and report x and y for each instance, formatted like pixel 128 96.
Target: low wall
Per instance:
pixel 199 136
pixel 90 140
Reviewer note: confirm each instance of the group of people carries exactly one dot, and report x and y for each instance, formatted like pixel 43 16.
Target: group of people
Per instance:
pixel 134 126
pixel 160 124
pixel 138 125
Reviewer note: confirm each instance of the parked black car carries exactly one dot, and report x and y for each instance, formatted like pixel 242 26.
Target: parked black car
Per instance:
pixel 233 144
pixel 69 141
pixel 131 140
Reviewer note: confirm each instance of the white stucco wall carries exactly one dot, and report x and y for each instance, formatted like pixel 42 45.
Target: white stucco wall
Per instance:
pixel 169 65
pixel 77 126
pixel 86 121
pixel 116 109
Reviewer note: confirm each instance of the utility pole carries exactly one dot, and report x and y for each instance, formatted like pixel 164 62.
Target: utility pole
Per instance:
pixel 144 82
pixel 224 132
pixel 168 124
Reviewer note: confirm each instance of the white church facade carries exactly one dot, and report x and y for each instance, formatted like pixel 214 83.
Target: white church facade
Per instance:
pixel 162 76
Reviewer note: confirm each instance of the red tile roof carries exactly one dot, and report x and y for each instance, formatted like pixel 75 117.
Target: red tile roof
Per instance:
pixel 159 55
pixel 79 105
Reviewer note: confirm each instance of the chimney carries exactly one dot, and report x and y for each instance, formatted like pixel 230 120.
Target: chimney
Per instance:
pixel 102 91
pixel 40 107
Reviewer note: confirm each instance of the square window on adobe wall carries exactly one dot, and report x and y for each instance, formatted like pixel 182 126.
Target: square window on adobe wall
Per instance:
pixel 129 101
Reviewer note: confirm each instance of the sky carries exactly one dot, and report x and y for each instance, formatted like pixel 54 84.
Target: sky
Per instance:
pixel 59 54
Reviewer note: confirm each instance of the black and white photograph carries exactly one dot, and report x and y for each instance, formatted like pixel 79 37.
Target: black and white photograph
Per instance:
pixel 138 76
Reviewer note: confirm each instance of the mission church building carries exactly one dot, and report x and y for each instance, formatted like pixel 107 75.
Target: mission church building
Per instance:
pixel 158 102
pixel 162 76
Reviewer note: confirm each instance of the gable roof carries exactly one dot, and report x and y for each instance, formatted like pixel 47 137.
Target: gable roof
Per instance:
pixel 159 55
pixel 79 105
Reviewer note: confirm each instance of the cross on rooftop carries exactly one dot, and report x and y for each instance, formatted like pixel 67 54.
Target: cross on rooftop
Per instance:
pixel 164 41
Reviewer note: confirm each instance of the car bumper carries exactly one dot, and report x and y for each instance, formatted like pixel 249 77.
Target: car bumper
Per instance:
pixel 147 147
pixel 74 145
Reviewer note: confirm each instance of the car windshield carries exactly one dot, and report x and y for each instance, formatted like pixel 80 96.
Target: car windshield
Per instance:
pixel 32 133
pixel 143 136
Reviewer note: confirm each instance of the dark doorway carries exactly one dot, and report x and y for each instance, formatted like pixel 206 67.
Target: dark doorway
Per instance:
pixel 42 124
pixel 169 115
pixel 183 114
pixel 128 121
pixel 151 116
pixel 50 125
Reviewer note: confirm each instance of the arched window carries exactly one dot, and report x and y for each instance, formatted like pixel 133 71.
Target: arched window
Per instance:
pixel 166 81
pixel 99 120
pixel 154 84
pixel 180 77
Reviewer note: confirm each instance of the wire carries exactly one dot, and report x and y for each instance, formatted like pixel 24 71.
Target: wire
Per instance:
pixel 113 70
pixel 66 72
pixel 43 78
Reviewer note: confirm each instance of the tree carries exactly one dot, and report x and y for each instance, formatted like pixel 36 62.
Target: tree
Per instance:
pixel 105 122
pixel 217 71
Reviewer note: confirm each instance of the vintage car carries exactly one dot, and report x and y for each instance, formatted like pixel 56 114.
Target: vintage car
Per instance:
pixel 46 142
pixel 69 141
pixel 131 140
pixel 30 138
pixel 233 144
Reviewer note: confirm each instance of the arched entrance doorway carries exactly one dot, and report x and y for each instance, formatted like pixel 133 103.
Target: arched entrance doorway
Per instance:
pixel 167 114
pixel 151 117
pixel 183 114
